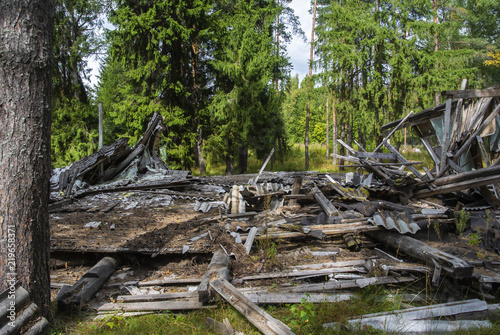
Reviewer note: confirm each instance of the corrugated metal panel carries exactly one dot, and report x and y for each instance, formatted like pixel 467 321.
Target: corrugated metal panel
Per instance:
pixel 394 220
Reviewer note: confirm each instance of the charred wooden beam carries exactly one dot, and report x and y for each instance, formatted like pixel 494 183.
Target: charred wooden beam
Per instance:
pixel 327 206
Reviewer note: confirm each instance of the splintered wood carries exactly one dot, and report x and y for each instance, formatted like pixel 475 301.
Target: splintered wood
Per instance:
pixel 282 237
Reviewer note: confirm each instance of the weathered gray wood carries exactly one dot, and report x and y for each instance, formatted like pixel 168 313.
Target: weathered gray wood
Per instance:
pixel 478 131
pixel 77 295
pixel 335 229
pixel 383 164
pixel 23 317
pixel 295 190
pixel 458 186
pixel 428 147
pixel 259 318
pixel 345 284
pixel 165 282
pixel 41 327
pixel 446 132
pixel 8 303
pixel 356 262
pixel 219 267
pixel 113 171
pixel 261 298
pixel 427 319
pixel 400 124
pixel 375 155
pixel 468 94
pixel 153 306
pixel 327 206
pixel 264 165
pixel 310 273
pixel 456 267
pixel 155 297
pixel 250 238
pixel 402 159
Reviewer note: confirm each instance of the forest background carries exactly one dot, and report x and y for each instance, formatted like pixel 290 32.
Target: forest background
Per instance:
pixel 218 71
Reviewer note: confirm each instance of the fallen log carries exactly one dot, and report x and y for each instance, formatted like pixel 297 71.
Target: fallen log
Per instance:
pixel 456 267
pixel 77 295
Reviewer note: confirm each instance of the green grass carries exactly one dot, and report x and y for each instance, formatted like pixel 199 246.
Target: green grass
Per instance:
pixel 294 160
pixel 303 318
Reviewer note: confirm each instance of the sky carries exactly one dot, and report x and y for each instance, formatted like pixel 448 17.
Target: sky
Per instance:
pixel 298 50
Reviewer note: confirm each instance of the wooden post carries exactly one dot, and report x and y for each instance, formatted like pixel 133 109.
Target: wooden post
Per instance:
pixel 264 165
pixel 296 190
pixel 219 267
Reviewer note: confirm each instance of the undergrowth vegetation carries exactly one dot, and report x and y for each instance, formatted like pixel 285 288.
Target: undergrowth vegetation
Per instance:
pixel 304 318
pixel 293 159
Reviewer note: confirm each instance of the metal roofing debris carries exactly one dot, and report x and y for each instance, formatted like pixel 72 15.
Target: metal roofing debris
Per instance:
pixel 392 220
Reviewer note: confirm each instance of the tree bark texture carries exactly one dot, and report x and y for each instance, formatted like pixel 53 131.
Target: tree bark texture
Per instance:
pixel 25 119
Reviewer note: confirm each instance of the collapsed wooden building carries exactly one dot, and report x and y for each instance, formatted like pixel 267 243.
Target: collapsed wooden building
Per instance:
pixel 309 235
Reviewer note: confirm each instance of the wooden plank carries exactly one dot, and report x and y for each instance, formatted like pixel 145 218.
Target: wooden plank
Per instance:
pixel 478 131
pixel 446 133
pixel 375 155
pixel 325 204
pixel 153 306
pixel 402 159
pixel 468 94
pixel 456 267
pixel 259 318
pixel 427 146
pixel 250 238
pixel 317 273
pixel 264 165
pixel 219 267
pixel 155 297
pixel 295 190
pixel 453 187
pixel 427 319
pixel 399 126
pixel 345 284
pixel 262 298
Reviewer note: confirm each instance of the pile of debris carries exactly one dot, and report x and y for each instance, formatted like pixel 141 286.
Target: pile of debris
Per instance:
pixel 312 235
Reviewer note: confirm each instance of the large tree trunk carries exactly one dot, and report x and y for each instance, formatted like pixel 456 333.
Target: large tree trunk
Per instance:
pixel 335 145
pixel 306 140
pixel 242 158
pixel 436 43
pixel 199 150
pixel 25 119
pixel 327 131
